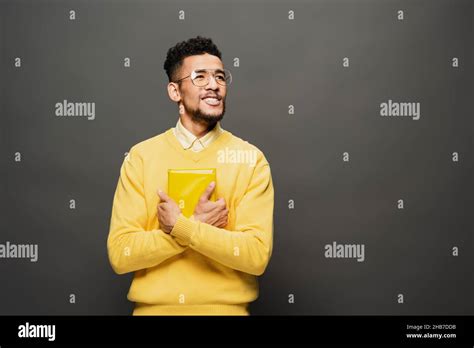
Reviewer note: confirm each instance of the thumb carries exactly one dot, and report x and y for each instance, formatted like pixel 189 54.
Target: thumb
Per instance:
pixel 163 196
pixel 207 194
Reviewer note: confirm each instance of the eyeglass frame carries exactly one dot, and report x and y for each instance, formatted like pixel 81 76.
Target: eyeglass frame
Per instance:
pixel 196 71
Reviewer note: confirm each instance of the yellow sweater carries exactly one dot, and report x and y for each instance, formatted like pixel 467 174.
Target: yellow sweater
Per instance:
pixel 197 269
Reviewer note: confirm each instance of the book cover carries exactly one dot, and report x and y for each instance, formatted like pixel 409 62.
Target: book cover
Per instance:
pixel 185 187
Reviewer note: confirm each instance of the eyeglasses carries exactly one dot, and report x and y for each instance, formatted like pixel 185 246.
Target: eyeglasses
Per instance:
pixel 201 77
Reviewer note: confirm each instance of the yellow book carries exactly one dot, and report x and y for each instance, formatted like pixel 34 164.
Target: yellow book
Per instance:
pixel 185 187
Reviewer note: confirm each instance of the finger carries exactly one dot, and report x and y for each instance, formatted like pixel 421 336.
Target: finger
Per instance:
pixel 213 220
pixel 163 196
pixel 222 223
pixel 221 202
pixel 207 193
pixel 223 218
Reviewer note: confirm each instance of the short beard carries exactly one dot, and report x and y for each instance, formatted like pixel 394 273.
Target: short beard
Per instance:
pixel 205 119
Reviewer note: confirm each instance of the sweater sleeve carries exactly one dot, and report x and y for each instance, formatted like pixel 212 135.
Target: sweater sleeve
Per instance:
pixel 248 248
pixel 130 246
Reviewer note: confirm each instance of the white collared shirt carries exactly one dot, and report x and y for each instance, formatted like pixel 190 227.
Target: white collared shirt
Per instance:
pixel 190 141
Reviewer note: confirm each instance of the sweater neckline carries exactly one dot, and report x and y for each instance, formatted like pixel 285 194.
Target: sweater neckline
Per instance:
pixel 197 156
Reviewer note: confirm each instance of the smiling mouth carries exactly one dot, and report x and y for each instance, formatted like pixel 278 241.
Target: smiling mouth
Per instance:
pixel 212 101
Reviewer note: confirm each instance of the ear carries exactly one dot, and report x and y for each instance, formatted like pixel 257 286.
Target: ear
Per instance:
pixel 173 92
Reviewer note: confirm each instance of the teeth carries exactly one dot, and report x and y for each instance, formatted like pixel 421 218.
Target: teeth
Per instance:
pixel 211 101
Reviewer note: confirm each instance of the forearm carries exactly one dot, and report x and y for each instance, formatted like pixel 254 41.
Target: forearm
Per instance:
pixel 248 251
pixel 131 247
pixel 135 250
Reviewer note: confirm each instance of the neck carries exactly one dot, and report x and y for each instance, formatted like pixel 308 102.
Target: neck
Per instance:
pixel 197 128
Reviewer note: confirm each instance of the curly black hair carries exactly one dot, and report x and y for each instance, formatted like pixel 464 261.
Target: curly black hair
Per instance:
pixel 183 49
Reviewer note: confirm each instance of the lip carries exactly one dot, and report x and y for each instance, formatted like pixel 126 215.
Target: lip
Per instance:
pixel 212 96
pixel 210 105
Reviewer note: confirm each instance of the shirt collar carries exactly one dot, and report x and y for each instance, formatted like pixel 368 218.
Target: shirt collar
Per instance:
pixel 189 140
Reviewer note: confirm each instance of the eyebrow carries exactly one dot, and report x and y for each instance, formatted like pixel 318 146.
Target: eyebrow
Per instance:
pixel 203 70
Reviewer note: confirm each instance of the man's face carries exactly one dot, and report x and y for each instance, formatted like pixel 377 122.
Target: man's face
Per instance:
pixel 195 101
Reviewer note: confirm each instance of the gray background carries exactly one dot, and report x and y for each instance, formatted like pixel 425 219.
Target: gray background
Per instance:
pixel 282 62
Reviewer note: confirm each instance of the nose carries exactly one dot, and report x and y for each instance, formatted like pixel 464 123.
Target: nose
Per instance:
pixel 212 83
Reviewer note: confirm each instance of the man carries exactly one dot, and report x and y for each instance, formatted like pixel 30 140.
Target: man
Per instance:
pixel 206 264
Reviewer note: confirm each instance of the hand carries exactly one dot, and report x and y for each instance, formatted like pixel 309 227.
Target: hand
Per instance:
pixel 168 212
pixel 212 213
